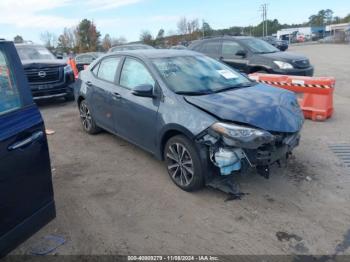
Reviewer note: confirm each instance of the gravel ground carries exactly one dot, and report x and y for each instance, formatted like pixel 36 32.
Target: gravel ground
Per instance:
pixel 114 198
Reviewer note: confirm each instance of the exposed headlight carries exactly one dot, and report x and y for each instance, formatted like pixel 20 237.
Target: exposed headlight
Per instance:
pixel 283 65
pixel 240 136
pixel 68 69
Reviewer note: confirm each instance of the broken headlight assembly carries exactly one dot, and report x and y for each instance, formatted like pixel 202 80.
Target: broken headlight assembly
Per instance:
pixel 241 136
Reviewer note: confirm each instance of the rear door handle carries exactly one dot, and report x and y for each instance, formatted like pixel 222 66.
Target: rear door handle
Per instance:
pixel 88 83
pixel 25 142
pixel 117 96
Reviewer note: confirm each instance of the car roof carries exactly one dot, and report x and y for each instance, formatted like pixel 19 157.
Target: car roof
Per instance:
pixel 90 53
pixel 157 53
pixel 28 45
pixel 226 37
pixel 130 45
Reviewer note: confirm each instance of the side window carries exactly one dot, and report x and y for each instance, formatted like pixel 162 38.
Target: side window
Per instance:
pixel 134 73
pixel 108 68
pixel 230 48
pixel 9 95
pixel 211 48
pixel 95 69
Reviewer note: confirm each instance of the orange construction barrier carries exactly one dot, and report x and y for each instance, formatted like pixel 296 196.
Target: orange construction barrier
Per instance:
pixel 71 62
pixel 317 92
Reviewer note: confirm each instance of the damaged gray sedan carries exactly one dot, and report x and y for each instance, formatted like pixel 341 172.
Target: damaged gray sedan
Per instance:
pixel 204 119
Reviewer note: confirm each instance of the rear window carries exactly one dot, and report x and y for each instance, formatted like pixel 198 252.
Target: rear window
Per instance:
pixel 108 68
pixel 9 95
pixel 210 48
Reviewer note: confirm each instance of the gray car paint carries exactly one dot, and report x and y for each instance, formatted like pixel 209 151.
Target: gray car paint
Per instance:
pixel 166 112
pixel 145 121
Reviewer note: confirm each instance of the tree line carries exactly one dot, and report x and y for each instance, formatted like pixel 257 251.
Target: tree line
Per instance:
pixel 86 38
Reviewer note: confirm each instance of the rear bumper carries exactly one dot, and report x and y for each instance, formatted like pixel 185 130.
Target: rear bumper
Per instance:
pixel 296 72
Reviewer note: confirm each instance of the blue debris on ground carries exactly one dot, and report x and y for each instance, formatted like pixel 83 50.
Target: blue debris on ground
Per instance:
pixel 46 245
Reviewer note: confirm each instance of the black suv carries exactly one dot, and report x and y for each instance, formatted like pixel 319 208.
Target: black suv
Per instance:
pixel 250 54
pixel 280 44
pixel 48 76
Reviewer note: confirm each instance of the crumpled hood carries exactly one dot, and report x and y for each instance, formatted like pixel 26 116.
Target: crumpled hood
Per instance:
pixel 262 106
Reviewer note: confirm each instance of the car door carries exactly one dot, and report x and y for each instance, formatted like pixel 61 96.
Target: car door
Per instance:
pixel 230 55
pixel 26 193
pixel 136 116
pixel 102 95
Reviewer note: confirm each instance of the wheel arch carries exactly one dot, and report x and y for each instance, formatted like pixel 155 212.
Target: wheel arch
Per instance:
pixel 80 98
pixel 169 132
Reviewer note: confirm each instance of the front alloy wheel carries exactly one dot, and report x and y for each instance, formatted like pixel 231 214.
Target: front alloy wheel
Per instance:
pixel 87 121
pixel 183 163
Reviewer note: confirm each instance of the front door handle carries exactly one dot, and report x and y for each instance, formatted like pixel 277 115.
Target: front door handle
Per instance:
pixel 117 96
pixel 25 142
pixel 88 83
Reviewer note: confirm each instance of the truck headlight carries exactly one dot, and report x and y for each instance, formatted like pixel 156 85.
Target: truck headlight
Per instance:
pixel 283 65
pixel 68 69
pixel 241 136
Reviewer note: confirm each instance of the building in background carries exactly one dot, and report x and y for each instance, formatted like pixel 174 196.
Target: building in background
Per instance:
pixel 301 34
pixel 338 33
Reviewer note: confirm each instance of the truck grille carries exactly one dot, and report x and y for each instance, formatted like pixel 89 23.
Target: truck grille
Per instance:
pixel 301 63
pixel 44 75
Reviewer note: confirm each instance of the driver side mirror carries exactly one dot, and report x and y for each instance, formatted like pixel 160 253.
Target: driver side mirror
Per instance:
pixel 241 53
pixel 145 90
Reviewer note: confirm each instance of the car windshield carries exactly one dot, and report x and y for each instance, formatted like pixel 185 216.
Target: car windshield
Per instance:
pixel 259 46
pixel 197 75
pixel 34 53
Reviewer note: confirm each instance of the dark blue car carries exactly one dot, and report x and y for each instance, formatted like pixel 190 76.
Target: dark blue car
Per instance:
pixel 206 120
pixel 26 194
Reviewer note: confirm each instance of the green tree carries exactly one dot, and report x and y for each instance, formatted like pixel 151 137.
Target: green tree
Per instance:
pixel 206 29
pixel 147 38
pixel 346 19
pixel 87 36
pixel 18 39
pixel 160 38
pixel 323 17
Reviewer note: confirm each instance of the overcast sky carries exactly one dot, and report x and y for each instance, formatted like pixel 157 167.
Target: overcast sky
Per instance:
pixel 128 18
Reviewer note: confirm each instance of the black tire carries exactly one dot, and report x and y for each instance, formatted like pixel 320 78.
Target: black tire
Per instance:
pixel 183 163
pixel 87 121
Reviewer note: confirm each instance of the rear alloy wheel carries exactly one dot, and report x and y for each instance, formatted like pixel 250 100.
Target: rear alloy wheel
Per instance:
pixel 183 163
pixel 87 121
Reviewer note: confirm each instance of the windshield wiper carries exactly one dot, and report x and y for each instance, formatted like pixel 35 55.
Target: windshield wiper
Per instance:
pixel 246 84
pixel 195 93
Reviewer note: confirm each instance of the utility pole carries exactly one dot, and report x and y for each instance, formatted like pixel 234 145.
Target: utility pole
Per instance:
pixel 263 10
pixel 203 33
pixel 266 32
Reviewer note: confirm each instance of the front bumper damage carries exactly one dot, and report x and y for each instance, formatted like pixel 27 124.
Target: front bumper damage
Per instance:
pixel 229 160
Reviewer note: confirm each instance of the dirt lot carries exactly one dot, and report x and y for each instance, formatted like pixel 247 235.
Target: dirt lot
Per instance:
pixel 113 198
